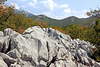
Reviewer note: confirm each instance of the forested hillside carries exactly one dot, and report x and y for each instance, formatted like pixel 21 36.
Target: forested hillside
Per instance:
pixel 64 22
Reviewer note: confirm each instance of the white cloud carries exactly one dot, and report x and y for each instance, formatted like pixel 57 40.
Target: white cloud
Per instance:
pixel 67 10
pixel 31 4
pixel 80 14
pixel 52 15
pixel 23 6
pixel 64 6
pixel 29 11
pixel 15 5
pixel 50 4
pixel 82 11
pixel 35 1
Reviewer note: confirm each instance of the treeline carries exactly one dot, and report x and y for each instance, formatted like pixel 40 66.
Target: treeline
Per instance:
pixel 19 22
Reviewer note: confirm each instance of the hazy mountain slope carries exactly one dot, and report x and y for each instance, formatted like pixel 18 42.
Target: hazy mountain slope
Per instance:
pixel 55 22
pixel 64 22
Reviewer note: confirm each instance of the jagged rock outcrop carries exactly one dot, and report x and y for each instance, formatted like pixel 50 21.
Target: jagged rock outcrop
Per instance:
pixel 46 47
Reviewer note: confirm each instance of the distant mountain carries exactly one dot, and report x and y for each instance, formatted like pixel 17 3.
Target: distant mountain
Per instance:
pixel 64 22
pixel 24 12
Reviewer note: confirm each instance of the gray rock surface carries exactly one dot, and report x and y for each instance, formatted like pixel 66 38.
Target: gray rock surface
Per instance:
pixel 46 47
pixel 2 63
pixel 1 34
pixel 4 44
pixel 8 60
pixel 21 63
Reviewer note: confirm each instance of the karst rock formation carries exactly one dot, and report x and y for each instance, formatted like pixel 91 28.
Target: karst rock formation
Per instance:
pixel 43 47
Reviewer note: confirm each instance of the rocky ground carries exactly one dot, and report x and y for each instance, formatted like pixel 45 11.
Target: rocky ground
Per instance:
pixel 46 47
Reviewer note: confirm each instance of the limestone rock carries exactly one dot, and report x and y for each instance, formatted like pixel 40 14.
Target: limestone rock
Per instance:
pixel 14 54
pixel 1 34
pixel 4 44
pixel 8 60
pixel 20 63
pixel 46 47
pixel 2 63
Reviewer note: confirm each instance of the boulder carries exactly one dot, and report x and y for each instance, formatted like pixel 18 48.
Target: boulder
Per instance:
pixel 8 31
pixel 8 60
pixel 2 63
pixel 14 54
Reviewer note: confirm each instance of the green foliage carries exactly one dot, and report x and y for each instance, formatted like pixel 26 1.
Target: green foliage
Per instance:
pixel 2 6
pixel 96 41
pixel 17 21
pixel 97 25
pixel 94 13
pixel 74 31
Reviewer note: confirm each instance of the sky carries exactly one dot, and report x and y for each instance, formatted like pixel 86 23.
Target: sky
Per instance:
pixel 57 9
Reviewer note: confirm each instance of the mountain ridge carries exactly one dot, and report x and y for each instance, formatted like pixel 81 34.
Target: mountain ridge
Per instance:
pixel 61 22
